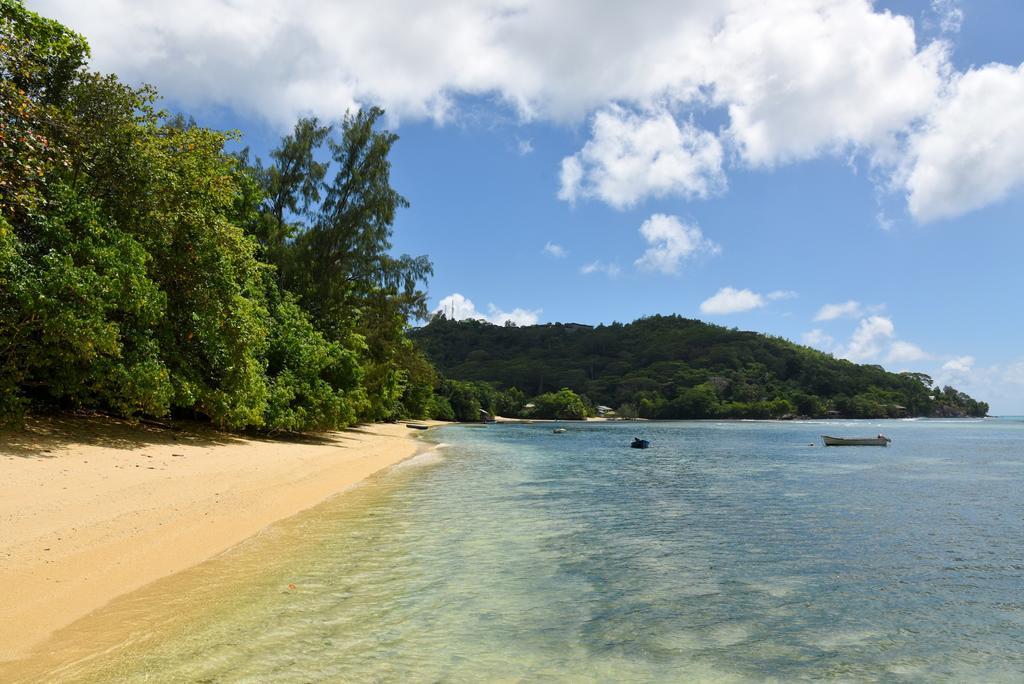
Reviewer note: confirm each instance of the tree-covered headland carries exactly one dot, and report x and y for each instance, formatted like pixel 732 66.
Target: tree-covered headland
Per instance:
pixel 145 270
pixel 673 367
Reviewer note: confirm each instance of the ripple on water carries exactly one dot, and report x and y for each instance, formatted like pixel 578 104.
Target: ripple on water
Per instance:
pixel 728 552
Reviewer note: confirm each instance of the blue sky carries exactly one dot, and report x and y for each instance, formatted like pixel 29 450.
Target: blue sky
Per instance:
pixel 844 174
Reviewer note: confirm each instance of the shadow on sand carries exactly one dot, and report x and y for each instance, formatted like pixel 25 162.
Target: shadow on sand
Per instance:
pixel 45 436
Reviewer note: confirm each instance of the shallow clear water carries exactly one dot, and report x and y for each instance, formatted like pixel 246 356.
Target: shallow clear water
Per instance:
pixel 727 551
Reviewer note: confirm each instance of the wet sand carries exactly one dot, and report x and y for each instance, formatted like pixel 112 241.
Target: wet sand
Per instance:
pixel 92 509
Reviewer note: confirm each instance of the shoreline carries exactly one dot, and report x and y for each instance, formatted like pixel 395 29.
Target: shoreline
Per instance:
pixel 92 509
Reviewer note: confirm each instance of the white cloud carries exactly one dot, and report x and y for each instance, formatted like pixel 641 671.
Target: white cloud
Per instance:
pixel 850 309
pixel 796 79
pixel 959 364
pixel 524 147
pixel 1001 384
pixel 458 307
pixel 806 77
pixel 517 316
pixel 611 269
pixel 631 156
pixel 553 250
pixel 730 300
pixel 819 339
pixel 670 242
pixel 951 17
pixel 905 352
pixel 570 176
pixel 883 221
pixel 970 152
pixel 874 341
pixel 867 340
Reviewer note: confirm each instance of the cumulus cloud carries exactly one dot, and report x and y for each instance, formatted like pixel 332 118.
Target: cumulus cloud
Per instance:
pixel 851 309
pixel 670 242
pixel 460 308
pixel 873 340
pixel 631 156
pixel 905 352
pixel 609 269
pixel 999 384
pixel 958 365
pixel 819 339
pixel 970 152
pixel 729 300
pixel 795 79
pixel 867 340
pixel 805 77
pixel 553 250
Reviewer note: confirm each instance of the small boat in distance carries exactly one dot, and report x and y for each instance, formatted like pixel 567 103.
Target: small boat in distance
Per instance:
pixel 417 426
pixel 558 431
pixel 638 443
pixel 880 440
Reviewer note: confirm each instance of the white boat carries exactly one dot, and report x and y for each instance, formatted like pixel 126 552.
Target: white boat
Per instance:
pixel 558 431
pixel 880 440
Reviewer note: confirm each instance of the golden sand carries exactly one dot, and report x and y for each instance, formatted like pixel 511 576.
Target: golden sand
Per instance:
pixel 91 509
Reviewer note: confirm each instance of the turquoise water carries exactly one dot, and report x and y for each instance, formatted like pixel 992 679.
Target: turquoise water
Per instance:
pixel 726 552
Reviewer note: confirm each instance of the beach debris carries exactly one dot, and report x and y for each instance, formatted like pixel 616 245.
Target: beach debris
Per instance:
pixel 292 587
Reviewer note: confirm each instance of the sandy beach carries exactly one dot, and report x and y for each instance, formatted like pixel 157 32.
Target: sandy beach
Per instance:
pixel 91 508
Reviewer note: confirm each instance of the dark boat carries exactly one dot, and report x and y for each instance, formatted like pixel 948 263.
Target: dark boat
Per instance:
pixel 880 440
pixel 417 426
pixel 638 443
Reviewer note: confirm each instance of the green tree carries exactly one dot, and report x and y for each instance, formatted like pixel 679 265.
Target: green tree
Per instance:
pixel 291 186
pixel 563 405
pixel 127 281
pixel 331 242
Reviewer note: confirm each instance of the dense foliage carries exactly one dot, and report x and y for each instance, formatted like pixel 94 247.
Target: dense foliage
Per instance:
pixel 561 405
pixel 672 367
pixel 146 271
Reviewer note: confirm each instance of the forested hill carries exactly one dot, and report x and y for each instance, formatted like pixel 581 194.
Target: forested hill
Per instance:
pixel 673 367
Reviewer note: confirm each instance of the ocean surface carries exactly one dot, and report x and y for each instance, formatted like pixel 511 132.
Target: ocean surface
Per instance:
pixel 728 551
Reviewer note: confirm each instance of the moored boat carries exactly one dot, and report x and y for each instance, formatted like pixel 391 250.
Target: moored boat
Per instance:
pixel 558 431
pixel 638 443
pixel 880 440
